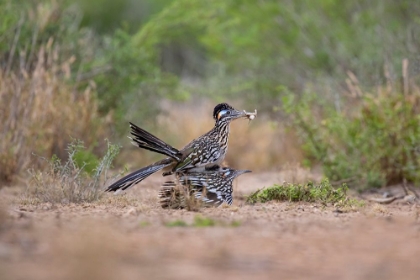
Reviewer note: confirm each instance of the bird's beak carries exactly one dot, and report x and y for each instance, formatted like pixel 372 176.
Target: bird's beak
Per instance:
pixel 238 114
pixel 243 114
pixel 240 172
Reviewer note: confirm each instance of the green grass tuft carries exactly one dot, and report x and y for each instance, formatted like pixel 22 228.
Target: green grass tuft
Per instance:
pixel 176 223
pixel 235 223
pixel 68 182
pixel 200 221
pixel 323 193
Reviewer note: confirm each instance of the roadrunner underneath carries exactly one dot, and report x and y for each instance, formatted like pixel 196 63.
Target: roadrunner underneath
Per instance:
pixel 209 188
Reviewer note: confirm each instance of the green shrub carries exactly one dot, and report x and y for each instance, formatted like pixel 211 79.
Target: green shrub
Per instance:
pixel 68 182
pixel 323 193
pixel 86 159
pixel 65 32
pixel 371 141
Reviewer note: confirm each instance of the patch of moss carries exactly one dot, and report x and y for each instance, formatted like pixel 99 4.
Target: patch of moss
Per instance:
pixel 323 193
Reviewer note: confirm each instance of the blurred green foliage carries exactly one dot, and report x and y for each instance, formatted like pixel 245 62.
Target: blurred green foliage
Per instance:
pixel 251 48
pixel 200 221
pixel 86 159
pixel 374 142
pixel 176 223
pixel 137 53
pixel 107 15
pixel 128 83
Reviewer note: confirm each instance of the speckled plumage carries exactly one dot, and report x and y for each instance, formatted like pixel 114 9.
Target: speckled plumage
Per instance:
pixel 207 150
pixel 212 188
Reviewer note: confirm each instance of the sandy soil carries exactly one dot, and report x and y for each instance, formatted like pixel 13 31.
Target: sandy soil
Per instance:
pixel 128 237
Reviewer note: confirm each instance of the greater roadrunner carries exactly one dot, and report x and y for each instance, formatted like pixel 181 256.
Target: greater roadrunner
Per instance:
pixel 204 152
pixel 211 188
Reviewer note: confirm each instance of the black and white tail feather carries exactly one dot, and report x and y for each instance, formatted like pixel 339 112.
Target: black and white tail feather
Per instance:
pixel 136 177
pixel 146 140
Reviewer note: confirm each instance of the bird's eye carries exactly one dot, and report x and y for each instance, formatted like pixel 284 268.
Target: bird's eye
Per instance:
pixel 223 113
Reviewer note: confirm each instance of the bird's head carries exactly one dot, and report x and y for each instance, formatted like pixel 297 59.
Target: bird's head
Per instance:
pixel 223 112
pixel 232 173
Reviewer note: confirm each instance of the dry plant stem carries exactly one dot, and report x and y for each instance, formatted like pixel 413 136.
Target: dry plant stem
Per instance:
pixel 387 200
pixel 40 112
pixel 13 49
pixel 343 181
pixel 405 76
pixel 69 183
pixel 408 190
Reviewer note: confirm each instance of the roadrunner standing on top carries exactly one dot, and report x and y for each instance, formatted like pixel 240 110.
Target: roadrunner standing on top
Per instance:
pixel 211 187
pixel 205 152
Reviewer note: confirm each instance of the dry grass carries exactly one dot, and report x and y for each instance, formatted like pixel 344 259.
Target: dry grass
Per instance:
pixel 67 182
pixel 262 145
pixel 181 197
pixel 379 209
pixel 40 112
pixel 296 174
pixel 119 201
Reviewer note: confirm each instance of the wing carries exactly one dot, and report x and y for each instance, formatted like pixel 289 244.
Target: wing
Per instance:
pixel 199 155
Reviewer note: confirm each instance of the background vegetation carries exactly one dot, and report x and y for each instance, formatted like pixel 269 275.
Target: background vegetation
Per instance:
pixel 342 75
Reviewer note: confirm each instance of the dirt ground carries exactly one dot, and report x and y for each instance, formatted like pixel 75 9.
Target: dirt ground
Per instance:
pixel 128 237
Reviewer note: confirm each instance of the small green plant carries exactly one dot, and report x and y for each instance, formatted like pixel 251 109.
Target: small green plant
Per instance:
pixel 323 193
pixel 68 182
pixel 86 159
pixel 176 223
pixel 235 223
pixel 200 221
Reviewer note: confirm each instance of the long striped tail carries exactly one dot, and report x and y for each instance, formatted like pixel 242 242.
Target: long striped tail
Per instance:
pixel 148 141
pixel 137 176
